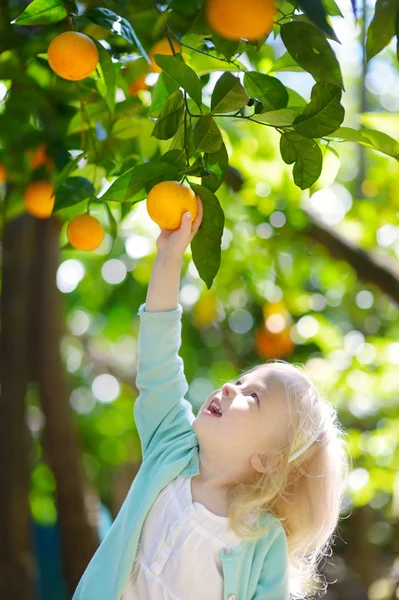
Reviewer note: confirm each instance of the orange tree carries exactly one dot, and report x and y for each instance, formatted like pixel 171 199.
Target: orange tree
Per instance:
pixel 166 97
pixel 176 130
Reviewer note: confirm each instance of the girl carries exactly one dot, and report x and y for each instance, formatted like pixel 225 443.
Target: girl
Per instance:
pixel 237 503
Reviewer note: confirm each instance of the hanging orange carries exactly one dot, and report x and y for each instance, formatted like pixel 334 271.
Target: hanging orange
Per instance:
pixel 73 55
pixel 273 345
pixel 138 85
pixel 162 47
pixel 236 19
pixel 168 201
pixel 39 199
pixel 85 232
pixel 3 173
pixel 38 157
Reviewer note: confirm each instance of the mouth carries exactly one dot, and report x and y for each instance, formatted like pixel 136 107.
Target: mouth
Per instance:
pixel 214 408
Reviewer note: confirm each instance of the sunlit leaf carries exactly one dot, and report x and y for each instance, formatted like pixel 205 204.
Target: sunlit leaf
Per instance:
pixel 182 74
pixel 170 117
pixel 206 244
pixel 228 94
pixel 310 49
pixel 42 12
pixel 306 155
pixel 324 113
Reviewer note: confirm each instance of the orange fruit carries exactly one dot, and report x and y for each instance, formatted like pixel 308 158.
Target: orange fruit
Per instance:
pixel 138 85
pixel 162 47
pixel 3 173
pixel 73 55
pixel 273 345
pixel 206 309
pixel 236 19
pixel 168 201
pixel 85 233
pixel 39 199
pixel 38 157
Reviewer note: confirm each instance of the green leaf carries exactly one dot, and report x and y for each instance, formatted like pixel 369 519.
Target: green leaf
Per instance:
pixel 170 117
pixel 131 186
pixel 382 27
pixel 306 155
pixel 127 128
pixel 279 118
pixel 228 94
pixel 203 64
pixel 182 74
pixel 93 112
pixel 106 84
pixel 369 138
pixel 69 167
pixel 42 12
pixel 118 25
pixel 286 63
pixel 332 8
pixel 310 49
pixel 164 87
pixel 206 244
pixel 207 136
pixel 269 90
pixel 316 11
pixel 324 113
pixel 217 164
pixel 175 157
pixel 71 191
pixel 226 47
pixel 113 225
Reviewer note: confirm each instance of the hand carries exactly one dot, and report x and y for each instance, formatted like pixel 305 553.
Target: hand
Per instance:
pixel 174 242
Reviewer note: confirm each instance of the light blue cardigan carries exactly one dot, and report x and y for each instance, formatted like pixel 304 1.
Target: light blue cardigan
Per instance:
pixel 252 570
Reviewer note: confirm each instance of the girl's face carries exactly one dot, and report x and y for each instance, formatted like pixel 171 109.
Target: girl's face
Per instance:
pixel 253 416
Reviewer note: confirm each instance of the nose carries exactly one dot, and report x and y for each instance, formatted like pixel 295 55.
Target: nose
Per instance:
pixel 228 390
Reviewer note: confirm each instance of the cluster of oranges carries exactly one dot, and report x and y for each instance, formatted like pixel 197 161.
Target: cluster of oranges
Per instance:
pixel 84 232
pixel 73 56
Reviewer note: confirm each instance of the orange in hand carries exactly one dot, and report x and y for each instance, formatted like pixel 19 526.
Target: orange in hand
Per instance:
pixel 39 199
pixel 236 19
pixel 73 55
pixel 85 232
pixel 168 201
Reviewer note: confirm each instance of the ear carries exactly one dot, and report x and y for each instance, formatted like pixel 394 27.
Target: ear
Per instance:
pixel 258 462
pixel 261 463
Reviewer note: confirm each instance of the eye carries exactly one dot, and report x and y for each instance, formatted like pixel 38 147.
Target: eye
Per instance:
pixel 254 394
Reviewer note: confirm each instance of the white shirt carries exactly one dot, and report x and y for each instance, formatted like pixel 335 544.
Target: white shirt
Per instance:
pixel 179 549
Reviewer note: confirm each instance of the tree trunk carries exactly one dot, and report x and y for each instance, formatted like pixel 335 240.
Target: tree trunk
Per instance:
pixel 78 531
pixel 17 568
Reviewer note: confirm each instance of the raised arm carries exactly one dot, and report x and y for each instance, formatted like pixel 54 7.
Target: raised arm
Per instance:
pixel 163 289
pixel 161 411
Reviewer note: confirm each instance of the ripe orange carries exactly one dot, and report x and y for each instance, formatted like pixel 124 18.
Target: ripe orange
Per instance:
pixel 168 201
pixel 236 19
pixel 38 157
pixel 39 199
pixel 138 84
pixel 3 173
pixel 162 47
pixel 273 345
pixel 73 55
pixel 85 233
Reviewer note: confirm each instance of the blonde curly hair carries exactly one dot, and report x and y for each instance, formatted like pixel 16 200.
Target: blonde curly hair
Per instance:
pixel 306 494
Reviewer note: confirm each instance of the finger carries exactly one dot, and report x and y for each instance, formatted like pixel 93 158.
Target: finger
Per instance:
pixel 200 214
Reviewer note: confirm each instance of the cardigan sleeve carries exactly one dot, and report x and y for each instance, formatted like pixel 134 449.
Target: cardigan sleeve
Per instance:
pixel 273 581
pixel 160 378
